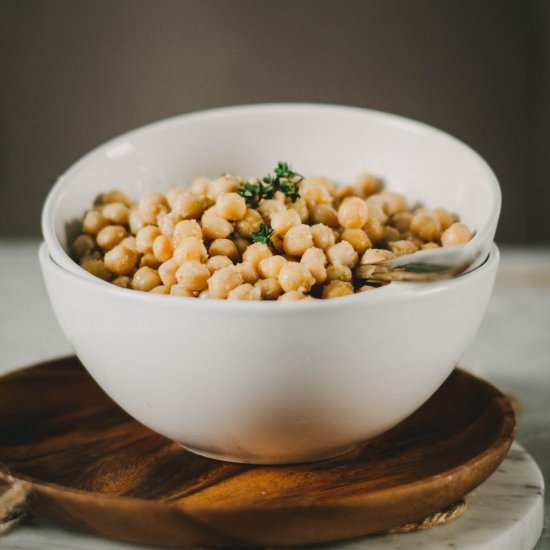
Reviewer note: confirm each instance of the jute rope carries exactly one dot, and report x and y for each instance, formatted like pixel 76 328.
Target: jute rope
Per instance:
pixel 12 504
pixel 435 520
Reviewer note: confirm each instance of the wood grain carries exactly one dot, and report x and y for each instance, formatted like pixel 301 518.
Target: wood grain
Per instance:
pixel 89 465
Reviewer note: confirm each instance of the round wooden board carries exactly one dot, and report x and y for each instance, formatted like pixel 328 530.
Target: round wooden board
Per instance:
pixel 87 464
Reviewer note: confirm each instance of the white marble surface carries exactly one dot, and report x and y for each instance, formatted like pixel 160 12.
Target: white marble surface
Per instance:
pixel 512 350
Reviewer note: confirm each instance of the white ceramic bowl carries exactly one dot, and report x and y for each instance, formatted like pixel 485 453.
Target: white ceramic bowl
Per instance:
pixel 266 382
pixel 425 164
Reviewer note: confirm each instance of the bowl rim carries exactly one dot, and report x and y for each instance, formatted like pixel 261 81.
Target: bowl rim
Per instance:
pixel 411 125
pixel 398 291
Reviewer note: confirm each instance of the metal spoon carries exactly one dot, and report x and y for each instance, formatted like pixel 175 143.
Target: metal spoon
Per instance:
pixel 421 267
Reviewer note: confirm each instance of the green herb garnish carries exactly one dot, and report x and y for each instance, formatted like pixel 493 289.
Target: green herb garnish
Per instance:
pixel 254 191
pixel 284 179
pixel 263 235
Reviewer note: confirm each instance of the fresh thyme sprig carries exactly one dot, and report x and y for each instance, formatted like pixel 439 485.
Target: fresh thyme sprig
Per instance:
pixel 287 181
pixel 263 235
pixel 254 191
pixel 284 179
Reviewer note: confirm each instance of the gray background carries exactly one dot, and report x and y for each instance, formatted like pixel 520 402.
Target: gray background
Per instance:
pixel 74 74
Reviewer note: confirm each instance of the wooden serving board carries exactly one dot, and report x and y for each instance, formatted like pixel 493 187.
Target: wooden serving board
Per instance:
pixel 87 464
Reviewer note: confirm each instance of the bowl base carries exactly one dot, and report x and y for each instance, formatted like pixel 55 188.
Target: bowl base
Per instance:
pixel 253 459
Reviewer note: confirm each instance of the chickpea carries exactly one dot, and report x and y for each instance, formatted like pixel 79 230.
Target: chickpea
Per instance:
pixel 270 267
pixel 344 191
pixel 390 234
pixel 201 186
pixel 145 278
pixel 215 263
pixel 241 243
pixel 82 246
pixel 249 224
pixel 325 214
pixel 123 281
pixel 145 238
pixel 188 205
pixel 374 230
pixel 339 273
pixel 402 221
pixel 323 237
pixel 204 294
pixel 163 248
pixel 173 194
pixel 95 255
pixel 225 184
pixel 394 202
pixel 116 213
pixel 193 275
pixel 402 248
pixel 314 192
pixel 110 236
pixel 231 206
pixel 151 205
pixel 342 253
pixel 256 252
pixel 294 276
pixel 249 272
pixel 129 242
pixel 161 289
pixel 223 281
pixel 376 255
pixel 149 260
pixel 215 227
pixel 135 220
pixel 353 213
pixel 94 222
pixel 120 260
pixel 300 206
pixel 429 246
pixel 376 211
pixel 335 289
pixel 167 272
pixel 367 184
pixel 283 220
pixel 357 238
pixel 445 218
pixel 278 243
pixel 291 296
pixel 297 240
pixel 314 260
pixel 415 240
pixel 191 248
pixel 245 292
pixel 268 207
pixel 167 222
pixel 181 290
pixel 97 268
pixel 426 226
pixel 325 182
pixel 456 234
pixel 270 289
pixel 184 229
pixel 116 195
pixel 224 247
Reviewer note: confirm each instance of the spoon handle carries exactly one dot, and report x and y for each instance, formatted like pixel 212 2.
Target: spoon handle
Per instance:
pixel 412 272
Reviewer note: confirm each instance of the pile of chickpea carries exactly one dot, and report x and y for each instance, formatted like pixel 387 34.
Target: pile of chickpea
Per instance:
pixel 199 242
